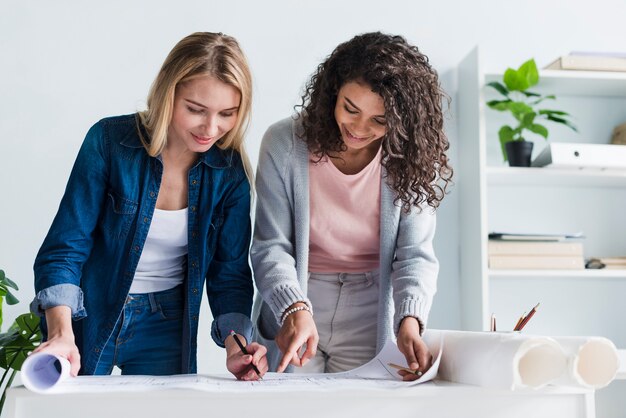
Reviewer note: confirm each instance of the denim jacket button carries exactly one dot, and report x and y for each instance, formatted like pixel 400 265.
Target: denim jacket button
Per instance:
pixel 194 182
pixel 193 208
pixel 194 290
pixel 152 194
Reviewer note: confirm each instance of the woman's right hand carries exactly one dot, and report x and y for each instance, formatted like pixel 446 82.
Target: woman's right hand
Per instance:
pixel 60 340
pixel 297 330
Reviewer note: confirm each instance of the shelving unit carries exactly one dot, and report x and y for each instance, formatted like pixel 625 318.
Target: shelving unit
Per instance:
pixel 495 197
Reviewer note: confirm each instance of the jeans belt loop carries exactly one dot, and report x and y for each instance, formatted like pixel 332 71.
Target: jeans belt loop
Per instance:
pixel 153 302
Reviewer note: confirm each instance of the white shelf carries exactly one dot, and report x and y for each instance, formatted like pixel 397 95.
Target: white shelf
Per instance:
pixel 494 196
pixel 577 83
pixel 574 274
pixel 546 176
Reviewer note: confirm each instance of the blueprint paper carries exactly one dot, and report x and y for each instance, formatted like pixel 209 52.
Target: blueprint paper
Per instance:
pixel 40 374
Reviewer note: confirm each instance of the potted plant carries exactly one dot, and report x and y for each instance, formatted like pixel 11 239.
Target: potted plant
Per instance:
pixel 524 106
pixel 19 340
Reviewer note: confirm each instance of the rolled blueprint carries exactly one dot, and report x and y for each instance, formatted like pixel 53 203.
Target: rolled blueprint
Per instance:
pixel 507 360
pixel 42 371
pixel 593 362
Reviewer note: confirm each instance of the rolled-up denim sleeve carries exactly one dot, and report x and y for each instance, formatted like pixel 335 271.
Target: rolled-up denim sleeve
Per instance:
pixel 223 324
pixel 60 294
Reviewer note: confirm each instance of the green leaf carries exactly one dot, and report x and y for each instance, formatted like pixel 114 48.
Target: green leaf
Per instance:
pixel 553 112
pixel 8 336
pixel 2 275
pixel 530 94
pixel 541 99
pixel 562 121
pixel 506 134
pixel 539 129
pixel 519 109
pixel 10 283
pixel 22 338
pixel 499 105
pixel 29 322
pixel 527 120
pixel 5 281
pixel 513 80
pixel 499 87
pixel 11 299
pixel 528 71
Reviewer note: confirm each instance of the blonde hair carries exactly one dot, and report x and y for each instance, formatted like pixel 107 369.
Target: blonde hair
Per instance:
pixel 199 54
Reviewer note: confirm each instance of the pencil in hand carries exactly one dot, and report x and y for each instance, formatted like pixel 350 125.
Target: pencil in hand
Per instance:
pixel 243 350
pixel 406 369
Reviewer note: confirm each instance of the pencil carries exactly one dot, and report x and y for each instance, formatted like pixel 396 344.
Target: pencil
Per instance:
pixel 519 321
pixel 527 318
pixel 243 350
pixel 406 369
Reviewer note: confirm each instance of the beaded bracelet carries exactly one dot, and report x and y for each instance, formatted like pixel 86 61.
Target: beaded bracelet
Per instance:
pixel 294 310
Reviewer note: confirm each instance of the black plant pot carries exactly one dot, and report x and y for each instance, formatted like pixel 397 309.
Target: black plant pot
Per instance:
pixel 518 153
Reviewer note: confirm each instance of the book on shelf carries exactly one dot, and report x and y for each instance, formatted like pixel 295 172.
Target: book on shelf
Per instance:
pixel 589 61
pixel 514 236
pixel 541 248
pixel 536 262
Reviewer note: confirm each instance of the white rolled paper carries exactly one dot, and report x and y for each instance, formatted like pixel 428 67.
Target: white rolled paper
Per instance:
pixel 42 371
pixel 506 360
pixel 593 362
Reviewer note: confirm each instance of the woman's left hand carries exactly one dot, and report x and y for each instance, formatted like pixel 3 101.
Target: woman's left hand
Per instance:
pixel 415 350
pixel 240 364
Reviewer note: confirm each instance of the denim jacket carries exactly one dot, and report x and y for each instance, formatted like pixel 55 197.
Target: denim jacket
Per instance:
pixel 89 257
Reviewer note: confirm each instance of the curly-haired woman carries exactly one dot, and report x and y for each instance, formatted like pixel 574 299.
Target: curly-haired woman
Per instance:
pixel 345 220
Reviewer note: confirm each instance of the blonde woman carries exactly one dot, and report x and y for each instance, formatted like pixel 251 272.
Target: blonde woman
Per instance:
pixel 156 208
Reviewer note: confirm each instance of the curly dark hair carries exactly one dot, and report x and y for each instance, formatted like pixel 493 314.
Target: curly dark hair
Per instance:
pixel 414 146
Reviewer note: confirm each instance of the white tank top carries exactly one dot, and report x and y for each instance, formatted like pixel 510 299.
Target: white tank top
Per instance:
pixel 163 261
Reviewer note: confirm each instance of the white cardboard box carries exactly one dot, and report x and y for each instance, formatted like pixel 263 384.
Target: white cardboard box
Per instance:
pixel 567 155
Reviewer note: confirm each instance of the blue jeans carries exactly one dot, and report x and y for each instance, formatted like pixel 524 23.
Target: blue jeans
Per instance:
pixel 147 339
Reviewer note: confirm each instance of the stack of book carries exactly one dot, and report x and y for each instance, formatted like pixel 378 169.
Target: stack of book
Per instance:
pixel 590 61
pixel 543 252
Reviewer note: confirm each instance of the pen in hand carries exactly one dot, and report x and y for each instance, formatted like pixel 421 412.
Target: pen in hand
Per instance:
pixel 243 350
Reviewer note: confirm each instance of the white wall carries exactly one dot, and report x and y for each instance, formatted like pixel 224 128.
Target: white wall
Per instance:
pixel 65 64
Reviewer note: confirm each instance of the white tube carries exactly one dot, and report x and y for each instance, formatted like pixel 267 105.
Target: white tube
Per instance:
pixel 593 362
pixel 42 371
pixel 507 360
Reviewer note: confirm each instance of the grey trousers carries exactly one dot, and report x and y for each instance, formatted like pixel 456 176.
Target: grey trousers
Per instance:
pixel 345 307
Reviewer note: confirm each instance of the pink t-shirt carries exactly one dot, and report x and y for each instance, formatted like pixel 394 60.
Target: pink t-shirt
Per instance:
pixel 344 234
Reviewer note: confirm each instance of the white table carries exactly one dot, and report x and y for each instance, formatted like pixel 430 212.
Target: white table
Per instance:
pixel 433 400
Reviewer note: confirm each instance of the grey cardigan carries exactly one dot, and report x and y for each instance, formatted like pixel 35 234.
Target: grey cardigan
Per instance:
pixel 280 246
